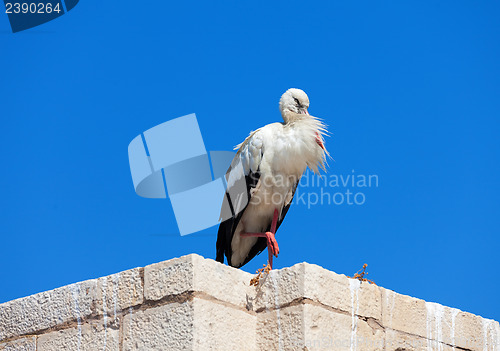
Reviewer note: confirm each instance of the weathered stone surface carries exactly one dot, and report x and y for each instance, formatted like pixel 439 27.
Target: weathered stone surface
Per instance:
pixel 197 324
pixel 87 337
pixel 167 327
pixel 328 329
pixel 31 314
pixel 404 313
pixel 318 284
pixel 340 292
pixel 282 329
pixel 475 333
pixel 119 291
pixel 315 327
pixel 49 309
pixel 223 328
pixel 23 344
pixel 195 273
pixel 279 288
pixel 438 323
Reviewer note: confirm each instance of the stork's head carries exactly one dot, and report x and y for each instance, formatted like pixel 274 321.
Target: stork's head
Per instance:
pixel 293 102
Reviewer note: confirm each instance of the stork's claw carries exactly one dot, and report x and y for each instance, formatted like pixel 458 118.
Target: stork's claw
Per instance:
pixel 272 244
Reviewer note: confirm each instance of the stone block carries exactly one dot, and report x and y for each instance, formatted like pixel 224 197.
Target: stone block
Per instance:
pixel 223 328
pixel 475 333
pixel 342 293
pixel 404 313
pixel 167 327
pixel 197 274
pixel 281 329
pixel 195 324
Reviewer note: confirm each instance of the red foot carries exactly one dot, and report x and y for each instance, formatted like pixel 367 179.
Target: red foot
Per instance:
pixel 272 244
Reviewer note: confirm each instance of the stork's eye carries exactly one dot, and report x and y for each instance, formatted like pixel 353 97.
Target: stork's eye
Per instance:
pixel 297 101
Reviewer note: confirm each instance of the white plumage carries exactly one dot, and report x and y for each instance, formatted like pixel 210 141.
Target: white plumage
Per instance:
pixel 274 157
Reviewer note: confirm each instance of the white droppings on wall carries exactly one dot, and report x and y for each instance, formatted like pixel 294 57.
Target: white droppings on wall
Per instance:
pixel 354 285
pixel 491 338
pixel 390 297
pixel 75 292
pixel 497 336
pixel 454 312
pixel 272 275
pixel 485 335
pixel 104 309
pixel 131 313
pixel 116 279
pixel 434 325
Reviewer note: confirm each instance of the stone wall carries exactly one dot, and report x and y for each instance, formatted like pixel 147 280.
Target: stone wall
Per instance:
pixel 192 303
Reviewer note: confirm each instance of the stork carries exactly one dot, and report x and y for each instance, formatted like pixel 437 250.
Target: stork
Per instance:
pixel 272 159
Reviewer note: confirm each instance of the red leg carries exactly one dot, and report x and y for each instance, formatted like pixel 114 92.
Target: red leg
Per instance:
pixel 271 240
pixel 275 221
pixel 272 244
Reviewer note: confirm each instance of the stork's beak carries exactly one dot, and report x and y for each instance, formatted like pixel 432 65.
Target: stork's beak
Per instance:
pixel 303 111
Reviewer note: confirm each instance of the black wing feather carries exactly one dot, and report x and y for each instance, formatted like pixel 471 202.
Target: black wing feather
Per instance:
pixel 228 227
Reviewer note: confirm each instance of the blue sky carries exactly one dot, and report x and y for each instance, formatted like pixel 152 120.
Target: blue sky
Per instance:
pixel 410 91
